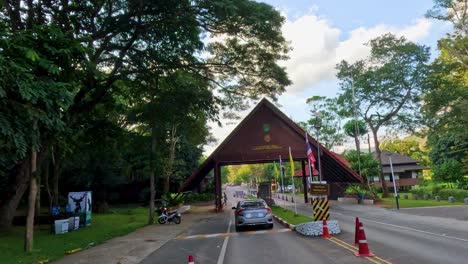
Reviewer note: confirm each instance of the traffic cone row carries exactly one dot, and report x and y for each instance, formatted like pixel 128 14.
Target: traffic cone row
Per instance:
pixel 190 260
pixel 326 233
pixel 362 242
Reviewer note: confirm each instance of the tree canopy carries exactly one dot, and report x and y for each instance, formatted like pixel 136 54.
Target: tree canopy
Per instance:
pixel 385 89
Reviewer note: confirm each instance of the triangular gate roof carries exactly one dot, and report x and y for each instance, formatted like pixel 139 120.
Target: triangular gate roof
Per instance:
pixel 262 136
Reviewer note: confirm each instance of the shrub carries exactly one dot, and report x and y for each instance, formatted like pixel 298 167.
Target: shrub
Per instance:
pixel 200 197
pixel 173 199
pixel 357 189
pixel 458 194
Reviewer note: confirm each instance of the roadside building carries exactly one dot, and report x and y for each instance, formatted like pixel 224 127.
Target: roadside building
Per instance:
pixel 407 171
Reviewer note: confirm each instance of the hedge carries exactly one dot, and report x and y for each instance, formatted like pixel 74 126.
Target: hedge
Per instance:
pixel 444 193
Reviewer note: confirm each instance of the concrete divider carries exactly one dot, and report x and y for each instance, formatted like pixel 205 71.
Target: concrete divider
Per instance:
pixel 346 200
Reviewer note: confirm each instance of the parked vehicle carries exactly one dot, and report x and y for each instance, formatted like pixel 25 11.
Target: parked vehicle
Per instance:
pixel 290 188
pixel 252 213
pixel 165 216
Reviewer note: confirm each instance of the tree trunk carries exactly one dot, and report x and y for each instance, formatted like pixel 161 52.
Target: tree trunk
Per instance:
pixel 170 163
pixel 29 232
pixel 358 145
pixel 38 196
pixel 152 175
pixel 368 142
pixel 16 189
pixel 379 159
pixel 45 176
pixel 21 175
pixel 57 163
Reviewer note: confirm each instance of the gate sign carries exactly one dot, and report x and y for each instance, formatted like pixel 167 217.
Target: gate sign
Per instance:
pixel 319 189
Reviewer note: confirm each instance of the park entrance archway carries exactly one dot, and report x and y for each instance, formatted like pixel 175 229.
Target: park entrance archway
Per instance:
pixel 261 137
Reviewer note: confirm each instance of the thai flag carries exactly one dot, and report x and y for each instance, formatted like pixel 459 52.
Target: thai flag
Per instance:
pixel 310 155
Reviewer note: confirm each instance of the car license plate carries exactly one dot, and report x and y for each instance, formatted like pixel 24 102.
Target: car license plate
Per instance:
pixel 260 215
pixel 248 215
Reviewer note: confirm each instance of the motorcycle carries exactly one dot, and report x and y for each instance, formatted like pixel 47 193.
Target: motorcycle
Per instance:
pixel 166 217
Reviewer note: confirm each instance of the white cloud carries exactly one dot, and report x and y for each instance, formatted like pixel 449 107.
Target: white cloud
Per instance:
pixel 317 46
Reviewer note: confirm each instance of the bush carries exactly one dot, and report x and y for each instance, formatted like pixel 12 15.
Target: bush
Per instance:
pixel 444 193
pixel 200 197
pixel 357 189
pixel 173 199
pixel 458 194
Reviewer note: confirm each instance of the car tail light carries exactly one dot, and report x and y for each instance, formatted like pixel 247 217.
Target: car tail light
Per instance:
pixel 240 212
pixel 268 211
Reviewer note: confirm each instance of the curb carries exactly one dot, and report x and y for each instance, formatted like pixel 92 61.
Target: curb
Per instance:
pixel 284 223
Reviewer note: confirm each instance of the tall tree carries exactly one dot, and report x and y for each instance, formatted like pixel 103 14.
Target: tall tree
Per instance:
pixel 123 38
pixel 355 128
pixel 445 109
pixel 328 121
pixel 385 88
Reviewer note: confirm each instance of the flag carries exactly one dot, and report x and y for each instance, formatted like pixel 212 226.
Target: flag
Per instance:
pixel 291 162
pixel 276 170
pixel 310 154
pixel 281 166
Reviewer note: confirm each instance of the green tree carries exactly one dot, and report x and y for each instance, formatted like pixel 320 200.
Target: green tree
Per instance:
pixel 355 128
pixel 455 12
pixel 411 146
pixel 450 171
pixel 325 115
pixel 385 88
pixel 445 109
pixel 364 163
pixel 123 39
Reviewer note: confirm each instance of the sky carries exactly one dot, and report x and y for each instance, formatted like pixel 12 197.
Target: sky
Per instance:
pixel 324 32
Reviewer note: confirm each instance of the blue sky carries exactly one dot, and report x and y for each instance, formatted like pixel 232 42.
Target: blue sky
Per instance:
pixel 324 32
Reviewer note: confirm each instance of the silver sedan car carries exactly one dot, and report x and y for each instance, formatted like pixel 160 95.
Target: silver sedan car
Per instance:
pixel 252 213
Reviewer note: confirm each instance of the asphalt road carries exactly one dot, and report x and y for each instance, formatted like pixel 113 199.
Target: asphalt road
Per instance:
pixel 215 241
pixel 402 237
pixel 393 236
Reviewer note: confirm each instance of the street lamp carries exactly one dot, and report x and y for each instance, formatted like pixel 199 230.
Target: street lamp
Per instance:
pixel 393 177
pixel 317 126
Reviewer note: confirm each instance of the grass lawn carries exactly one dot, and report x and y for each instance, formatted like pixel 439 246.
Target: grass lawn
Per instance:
pixel 121 221
pixel 289 216
pixel 409 203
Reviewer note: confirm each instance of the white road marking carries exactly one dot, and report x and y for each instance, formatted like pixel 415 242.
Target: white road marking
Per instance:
pixel 223 249
pixel 407 228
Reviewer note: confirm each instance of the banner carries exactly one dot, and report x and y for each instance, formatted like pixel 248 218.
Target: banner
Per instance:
pixel 80 204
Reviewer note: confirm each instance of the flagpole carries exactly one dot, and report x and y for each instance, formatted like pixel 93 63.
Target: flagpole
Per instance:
pixel 292 178
pixel 308 161
pixel 282 182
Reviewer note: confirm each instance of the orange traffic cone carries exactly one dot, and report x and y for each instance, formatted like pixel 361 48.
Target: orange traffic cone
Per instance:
pixel 363 246
pixel 325 234
pixel 190 260
pixel 356 232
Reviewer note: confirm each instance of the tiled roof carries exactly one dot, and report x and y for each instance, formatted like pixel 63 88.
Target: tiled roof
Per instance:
pixel 396 158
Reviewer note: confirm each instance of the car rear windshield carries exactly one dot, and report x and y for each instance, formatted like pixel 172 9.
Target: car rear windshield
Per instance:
pixel 252 204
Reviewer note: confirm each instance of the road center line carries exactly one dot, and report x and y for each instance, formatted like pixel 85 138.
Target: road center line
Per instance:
pixel 407 228
pixel 223 249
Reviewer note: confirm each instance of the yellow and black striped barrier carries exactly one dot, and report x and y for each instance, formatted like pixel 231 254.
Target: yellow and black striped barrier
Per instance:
pixel 320 208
